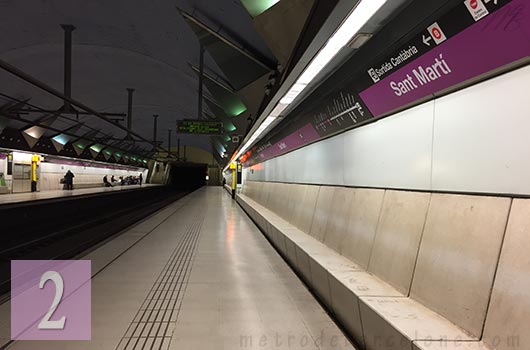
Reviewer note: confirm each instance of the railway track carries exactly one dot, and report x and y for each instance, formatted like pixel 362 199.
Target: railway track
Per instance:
pixel 81 224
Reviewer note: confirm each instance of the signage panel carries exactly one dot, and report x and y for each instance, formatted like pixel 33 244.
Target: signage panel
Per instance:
pixel 477 9
pixel 497 40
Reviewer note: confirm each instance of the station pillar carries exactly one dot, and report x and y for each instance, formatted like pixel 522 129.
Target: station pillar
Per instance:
pixel 34 164
pixel 233 169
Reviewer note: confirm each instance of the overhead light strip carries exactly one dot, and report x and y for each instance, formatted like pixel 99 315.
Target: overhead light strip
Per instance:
pixel 344 34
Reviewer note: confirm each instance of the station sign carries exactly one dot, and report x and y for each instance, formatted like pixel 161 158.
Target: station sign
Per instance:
pixel 479 41
pixel 199 127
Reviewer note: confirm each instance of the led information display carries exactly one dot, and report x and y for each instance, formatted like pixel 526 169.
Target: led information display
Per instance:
pixel 199 127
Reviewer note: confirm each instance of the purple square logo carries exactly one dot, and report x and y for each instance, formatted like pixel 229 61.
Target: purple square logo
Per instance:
pixel 51 299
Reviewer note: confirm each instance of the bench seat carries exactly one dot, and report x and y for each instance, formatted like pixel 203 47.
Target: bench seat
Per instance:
pixel 390 321
pixel 449 345
pixel 375 314
pixel 78 186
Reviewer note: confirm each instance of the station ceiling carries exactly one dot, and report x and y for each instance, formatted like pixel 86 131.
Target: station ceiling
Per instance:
pixel 153 46
pixel 147 45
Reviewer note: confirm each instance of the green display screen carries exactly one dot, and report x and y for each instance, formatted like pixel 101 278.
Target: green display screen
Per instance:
pixel 199 127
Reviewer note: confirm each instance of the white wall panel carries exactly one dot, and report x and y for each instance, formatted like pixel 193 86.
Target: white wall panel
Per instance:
pixel 482 137
pixel 474 140
pixel 257 173
pixel 319 163
pixel 282 169
pixel 322 162
pixel 392 153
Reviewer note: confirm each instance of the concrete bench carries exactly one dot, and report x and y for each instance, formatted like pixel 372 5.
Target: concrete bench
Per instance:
pixel 396 268
pixel 79 186
pixel 508 317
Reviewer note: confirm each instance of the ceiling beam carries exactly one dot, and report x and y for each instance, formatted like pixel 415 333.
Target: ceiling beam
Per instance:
pixel 65 132
pixel 214 78
pixel 31 110
pixel 35 82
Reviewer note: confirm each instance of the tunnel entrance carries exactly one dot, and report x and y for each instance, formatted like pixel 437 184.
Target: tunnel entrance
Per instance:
pixel 188 177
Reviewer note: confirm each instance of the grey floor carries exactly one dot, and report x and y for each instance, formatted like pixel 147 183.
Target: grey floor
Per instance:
pixel 198 275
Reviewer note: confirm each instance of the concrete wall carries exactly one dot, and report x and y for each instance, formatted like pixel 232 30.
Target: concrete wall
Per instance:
pixel 399 267
pixel 3 170
pixel 158 173
pixel 3 167
pixel 404 266
pixel 214 175
pixel 194 154
pixel 474 140
pixel 51 174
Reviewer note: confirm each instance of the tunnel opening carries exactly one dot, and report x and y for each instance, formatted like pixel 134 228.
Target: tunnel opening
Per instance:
pixel 188 177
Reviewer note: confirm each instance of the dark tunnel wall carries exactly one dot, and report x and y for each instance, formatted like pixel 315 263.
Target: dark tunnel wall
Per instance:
pixel 188 177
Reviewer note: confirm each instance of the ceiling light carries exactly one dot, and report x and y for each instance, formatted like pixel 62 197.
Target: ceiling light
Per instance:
pixel 346 34
pixel 35 131
pixel 280 107
pixel 295 90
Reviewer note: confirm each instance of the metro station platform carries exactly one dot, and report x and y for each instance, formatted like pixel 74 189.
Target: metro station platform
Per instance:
pixel 45 195
pixel 196 275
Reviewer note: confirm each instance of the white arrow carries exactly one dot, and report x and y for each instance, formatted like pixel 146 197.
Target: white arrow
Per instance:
pixel 426 40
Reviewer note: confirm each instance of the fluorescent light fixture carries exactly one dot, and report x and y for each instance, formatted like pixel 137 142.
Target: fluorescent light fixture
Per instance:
pixel 360 15
pixel 344 35
pixel 22 157
pixel 280 107
pixel 293 93
pixel 268 121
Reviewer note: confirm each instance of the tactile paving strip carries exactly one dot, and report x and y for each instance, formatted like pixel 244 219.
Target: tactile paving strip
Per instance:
pixel 153 325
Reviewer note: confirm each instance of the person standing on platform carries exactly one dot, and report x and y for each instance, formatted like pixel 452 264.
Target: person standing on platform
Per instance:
pixel 106 181
pixel 140 179
pixel 69 180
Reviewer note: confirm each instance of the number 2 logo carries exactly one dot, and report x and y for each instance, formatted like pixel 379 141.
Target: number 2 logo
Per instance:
pixel 57 279
pixel 51 300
